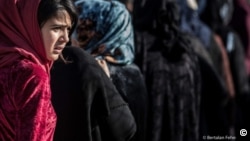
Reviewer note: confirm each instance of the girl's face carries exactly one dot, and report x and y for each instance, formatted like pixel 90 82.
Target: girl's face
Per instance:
pixel 55 34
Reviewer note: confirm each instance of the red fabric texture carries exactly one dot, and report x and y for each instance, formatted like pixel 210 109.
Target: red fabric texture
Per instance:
pixel 26 113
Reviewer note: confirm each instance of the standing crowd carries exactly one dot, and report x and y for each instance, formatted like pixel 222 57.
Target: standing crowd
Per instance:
pixel 124 70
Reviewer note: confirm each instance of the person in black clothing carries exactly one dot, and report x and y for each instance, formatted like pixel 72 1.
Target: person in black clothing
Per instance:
pixel 171 71
pixel 87 104
pixel 105 31
pixel 217 15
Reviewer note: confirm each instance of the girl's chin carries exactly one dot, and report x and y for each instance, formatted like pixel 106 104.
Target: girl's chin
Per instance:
pixel 53 57
pixel 57 51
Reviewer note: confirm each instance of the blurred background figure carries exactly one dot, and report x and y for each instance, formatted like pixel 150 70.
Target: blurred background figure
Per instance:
pixel 217 15
pixel 240 23
pixel 171 71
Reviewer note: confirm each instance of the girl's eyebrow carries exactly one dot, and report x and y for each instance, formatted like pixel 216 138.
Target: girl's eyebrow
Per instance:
pixel 61 25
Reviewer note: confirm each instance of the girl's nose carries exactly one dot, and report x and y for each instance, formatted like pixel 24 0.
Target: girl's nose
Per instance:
pixel 64 37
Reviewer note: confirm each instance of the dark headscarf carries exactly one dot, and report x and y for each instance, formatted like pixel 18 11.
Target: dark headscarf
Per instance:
pixel 217 15
pixel 218 12
pixel 162 21
pixel 145 13
pixel 191 23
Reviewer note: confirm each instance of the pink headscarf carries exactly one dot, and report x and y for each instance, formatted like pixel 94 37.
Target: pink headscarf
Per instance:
pixel 20 35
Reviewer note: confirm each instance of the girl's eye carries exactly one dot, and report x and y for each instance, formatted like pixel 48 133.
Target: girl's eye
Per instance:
pixel 57 28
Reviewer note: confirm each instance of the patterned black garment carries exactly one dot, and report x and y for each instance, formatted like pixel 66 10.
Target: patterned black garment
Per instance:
pixel 172 74
pixel 130 83
pixel 86 102
pixel 174 94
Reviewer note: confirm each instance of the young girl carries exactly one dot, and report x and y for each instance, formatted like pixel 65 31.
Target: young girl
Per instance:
pixel 32 35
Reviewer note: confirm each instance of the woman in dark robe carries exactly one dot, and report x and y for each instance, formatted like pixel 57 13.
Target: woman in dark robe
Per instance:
pixel 87 104
pixel 171 71
pixel 105 31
